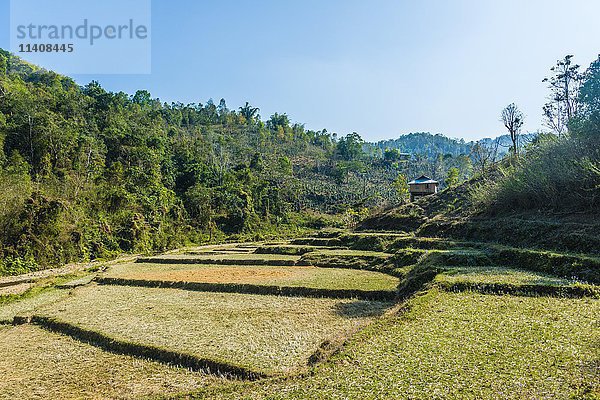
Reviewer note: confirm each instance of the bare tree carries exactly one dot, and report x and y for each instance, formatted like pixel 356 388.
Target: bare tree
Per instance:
pixel 513 119
pixel 484 156
pixel 563 101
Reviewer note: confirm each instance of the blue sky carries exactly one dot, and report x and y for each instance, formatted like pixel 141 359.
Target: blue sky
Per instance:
pixel 381 68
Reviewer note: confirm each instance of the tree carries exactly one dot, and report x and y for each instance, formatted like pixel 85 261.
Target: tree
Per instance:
pixel 589 94
pixel 484 155
pixel 400 185
pixel 250 113
pixel 392 155
pixel 452 178
pixel 513 119
pixel 587 122
pixel 350 147
pixel 563 101
pixel 3 65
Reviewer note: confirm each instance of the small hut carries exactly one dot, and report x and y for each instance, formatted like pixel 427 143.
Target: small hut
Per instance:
pixel 422 186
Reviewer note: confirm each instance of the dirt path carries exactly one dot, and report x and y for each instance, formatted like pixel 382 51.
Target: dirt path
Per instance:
pixel 16 284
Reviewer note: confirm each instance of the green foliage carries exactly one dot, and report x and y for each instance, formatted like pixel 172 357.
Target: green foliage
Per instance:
pixel 3 65
pixel 453 177
pixel 557 172
pixel 350 147
pixel 16 265
pixel 401 187
pixel 86 173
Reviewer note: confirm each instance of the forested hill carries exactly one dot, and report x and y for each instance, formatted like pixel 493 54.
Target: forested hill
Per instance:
pixel 87 173
pixel 546 195
pixel 430 145
pixel 427 144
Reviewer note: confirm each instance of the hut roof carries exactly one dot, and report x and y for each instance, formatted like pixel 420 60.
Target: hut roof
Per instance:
pixel 421 180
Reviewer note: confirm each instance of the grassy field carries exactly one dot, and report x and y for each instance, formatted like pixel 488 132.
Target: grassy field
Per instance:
pixel 36 364
pixel 293 276
pixel 28 304
pixel 450 341
pixel 266 334
pixel 353 253
pixel 499 275
pixel 459 346
pixel 502 280
pixel 232 256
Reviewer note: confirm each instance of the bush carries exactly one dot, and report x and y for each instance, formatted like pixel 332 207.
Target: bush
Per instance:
pixel 17 265
pixel 555 174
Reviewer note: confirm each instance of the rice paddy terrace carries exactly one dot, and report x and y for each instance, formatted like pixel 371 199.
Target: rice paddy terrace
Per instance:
pixel 338 315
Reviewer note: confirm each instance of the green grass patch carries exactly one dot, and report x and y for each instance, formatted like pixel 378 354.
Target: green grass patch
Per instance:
pixel 499 280
pixel 351 259
pixel 459 346
pixel 265 334
pixel 318 241
pixel 290 249
pixel 566 265
pixel 490 274
pixel 374 241
pixel 440 258
pixel 427 243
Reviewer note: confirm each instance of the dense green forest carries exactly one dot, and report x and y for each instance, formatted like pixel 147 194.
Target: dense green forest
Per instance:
pixel 87 173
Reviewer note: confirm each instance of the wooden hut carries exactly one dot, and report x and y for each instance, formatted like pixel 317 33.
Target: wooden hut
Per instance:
pixel 422 186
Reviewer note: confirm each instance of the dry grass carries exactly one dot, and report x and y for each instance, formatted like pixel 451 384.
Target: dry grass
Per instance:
pixel 35 364
pixel 28 304
pixel 292 276
pixel 16 289
pixel 261 333
pixel 231 256
pixel 460 346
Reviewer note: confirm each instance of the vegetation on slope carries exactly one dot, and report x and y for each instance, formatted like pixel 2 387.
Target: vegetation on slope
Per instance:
pixel 86 173
pixel 546 196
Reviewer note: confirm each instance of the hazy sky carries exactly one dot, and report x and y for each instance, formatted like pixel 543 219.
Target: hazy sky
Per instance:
pixel 381 67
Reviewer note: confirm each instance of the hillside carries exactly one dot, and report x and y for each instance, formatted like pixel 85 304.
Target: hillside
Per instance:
pixel 488 289
pixel 86 173
pixel 549 199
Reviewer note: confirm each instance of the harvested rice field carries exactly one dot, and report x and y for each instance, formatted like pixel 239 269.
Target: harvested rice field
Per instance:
pixel 192 324
pixel 25 306
pixel 228 258
pixel 36 364
pixel 233 256
pixel 460 346
pixel 294 276
pixel 266 334
pixel 493 274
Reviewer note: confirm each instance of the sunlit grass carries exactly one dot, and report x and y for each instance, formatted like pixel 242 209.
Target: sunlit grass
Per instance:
pixel 499 275
pixel 466 346
pixel 262 333
pixel 291 276
pixel 43 365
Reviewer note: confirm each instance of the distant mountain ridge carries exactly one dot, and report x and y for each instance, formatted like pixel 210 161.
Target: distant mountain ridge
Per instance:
pixel 431 145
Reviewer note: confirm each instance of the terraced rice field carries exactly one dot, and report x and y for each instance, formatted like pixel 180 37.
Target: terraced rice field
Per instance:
pixel 264 334
pixel 36 364
pixel 299 320
pixel 460 346
pixel 295 276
